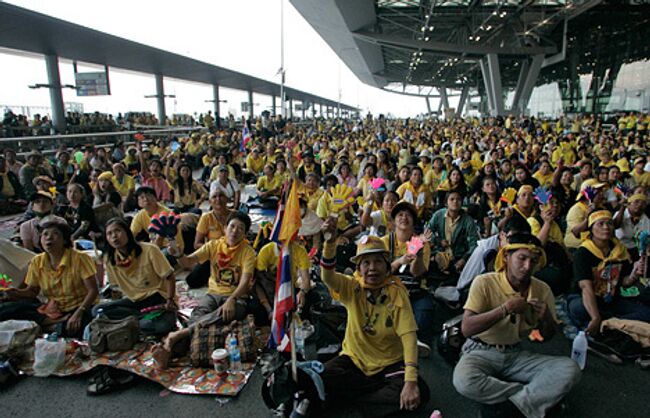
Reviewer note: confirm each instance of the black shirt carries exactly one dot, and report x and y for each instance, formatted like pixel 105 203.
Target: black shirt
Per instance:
pixel 606 281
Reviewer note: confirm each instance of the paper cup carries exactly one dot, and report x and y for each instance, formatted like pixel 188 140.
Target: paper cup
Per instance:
pixel 220 361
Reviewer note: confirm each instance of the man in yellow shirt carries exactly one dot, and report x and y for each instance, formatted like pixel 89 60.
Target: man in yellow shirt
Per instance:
pixel 640 176
pixel 255 162
pixel 502 308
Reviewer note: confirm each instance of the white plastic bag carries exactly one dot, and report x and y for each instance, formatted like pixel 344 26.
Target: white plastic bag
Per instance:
pixel 48 356
pixel 16 336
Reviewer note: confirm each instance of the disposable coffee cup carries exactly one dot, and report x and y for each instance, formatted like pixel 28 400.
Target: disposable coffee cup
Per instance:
pixel 220 361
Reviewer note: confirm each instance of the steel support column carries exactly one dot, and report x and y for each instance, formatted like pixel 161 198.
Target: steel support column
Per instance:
pixel 321 109
pixel 461 102
pixel 251 111
pixel 56 96
pixel 443 98
pixel 487 82
pixel 495 81
pixel 428 106
pixel 160 99
pixel 217 105
pixel 523 73
pixel 290 108
pixel 303 110
pixel 273 104
pixel 531 79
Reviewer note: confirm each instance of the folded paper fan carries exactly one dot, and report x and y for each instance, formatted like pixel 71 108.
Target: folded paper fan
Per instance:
pixel 508 195
pixel 543 195
pixel 621 189
pixel 376 183
pixel 414 245
pixel 342 196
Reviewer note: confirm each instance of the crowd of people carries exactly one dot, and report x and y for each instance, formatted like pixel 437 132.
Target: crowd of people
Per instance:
pixel 495 217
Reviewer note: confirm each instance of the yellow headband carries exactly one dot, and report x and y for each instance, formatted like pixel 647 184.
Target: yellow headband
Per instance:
pixel 599 215
pixel 500 261
pixel 638 196
pixel 106 175
pixel 525 188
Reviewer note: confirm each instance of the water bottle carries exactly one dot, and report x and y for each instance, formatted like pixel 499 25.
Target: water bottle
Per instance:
pixel 301 410
pixel 436 414
pixel 303 331
pixel 579 350
pixel 235 353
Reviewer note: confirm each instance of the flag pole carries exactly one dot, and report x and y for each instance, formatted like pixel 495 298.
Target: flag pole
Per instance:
pixel 282 110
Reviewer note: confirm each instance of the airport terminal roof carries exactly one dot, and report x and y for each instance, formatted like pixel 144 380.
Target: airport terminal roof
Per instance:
pixel 23 30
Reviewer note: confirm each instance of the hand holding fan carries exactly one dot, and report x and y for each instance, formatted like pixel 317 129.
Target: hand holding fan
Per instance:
pixel 342 196
pixel 414 245
pixel 543 195
pixel 165 224
pixel 621 189
pixel 508 196
pixel 589 192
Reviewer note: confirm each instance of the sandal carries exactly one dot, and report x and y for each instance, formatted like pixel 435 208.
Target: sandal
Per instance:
pixel 102 382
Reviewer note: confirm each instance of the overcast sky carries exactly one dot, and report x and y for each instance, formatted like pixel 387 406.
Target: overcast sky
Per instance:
pixel 243 35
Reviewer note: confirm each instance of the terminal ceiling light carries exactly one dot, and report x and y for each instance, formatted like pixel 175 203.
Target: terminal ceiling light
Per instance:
pixel 426 39
pixel 431 28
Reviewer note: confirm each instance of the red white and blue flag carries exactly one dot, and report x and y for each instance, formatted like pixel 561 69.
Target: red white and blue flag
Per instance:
pixel 245 138
pixel 287 224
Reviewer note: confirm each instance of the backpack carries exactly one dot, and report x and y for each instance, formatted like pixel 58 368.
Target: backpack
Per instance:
pixel 451 340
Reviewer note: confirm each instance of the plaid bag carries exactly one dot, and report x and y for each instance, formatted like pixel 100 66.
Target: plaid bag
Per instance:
pixel 206 339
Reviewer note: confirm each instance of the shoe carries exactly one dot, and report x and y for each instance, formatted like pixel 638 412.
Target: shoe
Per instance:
pixel 424 351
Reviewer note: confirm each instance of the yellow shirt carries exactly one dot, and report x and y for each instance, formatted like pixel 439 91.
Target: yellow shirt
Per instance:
pixel 401 247
pixel 207 160
pixel 210 227
pixel 554 234
pixel 125 186
pixel 642 179
pixel 372 353
pixel 190 197
pixel 141 222
pixel 144 277
pixel 193 148
pixel 576 215
pixel 434 180
pixel 272 185
pixel 7 187
pixel 214 174
pixel 544 180
pixel 324 210
pixel 491 290
pixel 64 284
pixel 312 196
pixel 267 259
pixel 225 274
pixel 421 197
pixel 255 165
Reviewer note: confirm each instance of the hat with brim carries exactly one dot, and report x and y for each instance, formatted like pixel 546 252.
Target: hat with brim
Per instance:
pixel 425 154
pixel 369 244
pixel 41 194
pixel 589 183
pixel 404 206
pixel 45 179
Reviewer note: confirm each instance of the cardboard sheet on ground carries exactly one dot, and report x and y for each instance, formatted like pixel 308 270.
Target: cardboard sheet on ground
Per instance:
pixel 180 377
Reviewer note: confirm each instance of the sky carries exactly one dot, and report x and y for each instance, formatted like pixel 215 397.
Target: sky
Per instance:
pixel 242 35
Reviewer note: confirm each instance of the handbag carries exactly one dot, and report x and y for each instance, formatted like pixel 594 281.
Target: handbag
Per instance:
pixel 113 335
pixel 206 339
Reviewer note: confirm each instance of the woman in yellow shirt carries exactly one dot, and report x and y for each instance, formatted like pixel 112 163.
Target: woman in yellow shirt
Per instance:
pixel 188 194
pixel 144 276
pixel 544 174
pixel 378 365
pixel 269 185
pixel 64 276
pixel 416 192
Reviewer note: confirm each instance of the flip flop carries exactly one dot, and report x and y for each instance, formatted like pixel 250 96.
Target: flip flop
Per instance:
pixel 103 383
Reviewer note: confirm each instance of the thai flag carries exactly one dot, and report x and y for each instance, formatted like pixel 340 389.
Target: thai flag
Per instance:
pixel 284 303
pixel 245 138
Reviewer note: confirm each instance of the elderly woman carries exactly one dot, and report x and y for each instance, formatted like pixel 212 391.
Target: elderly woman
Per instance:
pixel 378 366
pixel 65 276
pixel 601 265
pixel 211 226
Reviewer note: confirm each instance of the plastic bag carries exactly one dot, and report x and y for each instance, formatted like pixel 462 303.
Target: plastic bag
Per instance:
pixel 48 356
pixel 16 336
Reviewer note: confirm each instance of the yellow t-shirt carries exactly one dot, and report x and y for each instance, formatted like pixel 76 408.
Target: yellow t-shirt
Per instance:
pixel 491 290
pixel 144 277
pixel 401 247
pixel 225 273
pixel 554 234
pixel 267 259
pixel 372 353
pixel 324 210
pixel 7 187
pixel 312 196
pixel 210 227
pixel 193 149
pixel 266 185
pixel 576 215
pixel 255 165
pixel 125 186
pixel 642 179
pixel 544 180
pixel 141 222
pixel 207 160
pixel 214 174
pixel 420 197
pixel 64 284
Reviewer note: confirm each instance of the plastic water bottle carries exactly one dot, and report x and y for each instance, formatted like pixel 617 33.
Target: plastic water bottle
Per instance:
pixel 301 410
pixel 235 353
pixel 579 350
pixel 302 333
pixel 436 414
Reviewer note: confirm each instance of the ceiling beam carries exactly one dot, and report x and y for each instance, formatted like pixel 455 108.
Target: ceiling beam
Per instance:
pixel 449 48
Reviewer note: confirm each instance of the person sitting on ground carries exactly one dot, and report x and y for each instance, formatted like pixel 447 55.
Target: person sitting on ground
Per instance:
pixel 11 192
pixel 30 170
pixel 503 307
pixel 79 214
pixel 524 205
pixel 146 197
pixel 42 204
pixel 412 268
pixel 601 266
pixel 577 217
pixel 145 277
pixel 454 237
pixel 152 177
pixel 269 185
pixel 227 184
pixel 266 269
pixel 378 365
pixel 379 221
pixel 347 228
pixel 125 185
pixel 630 220
pixel 416 192
pixel 232 264
pixel 63 275
pixel 310 190
pixel 188 193
pixel 308 166
pixel 211 227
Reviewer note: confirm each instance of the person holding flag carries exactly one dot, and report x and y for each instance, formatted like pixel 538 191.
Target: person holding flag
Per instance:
pixel 378 366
